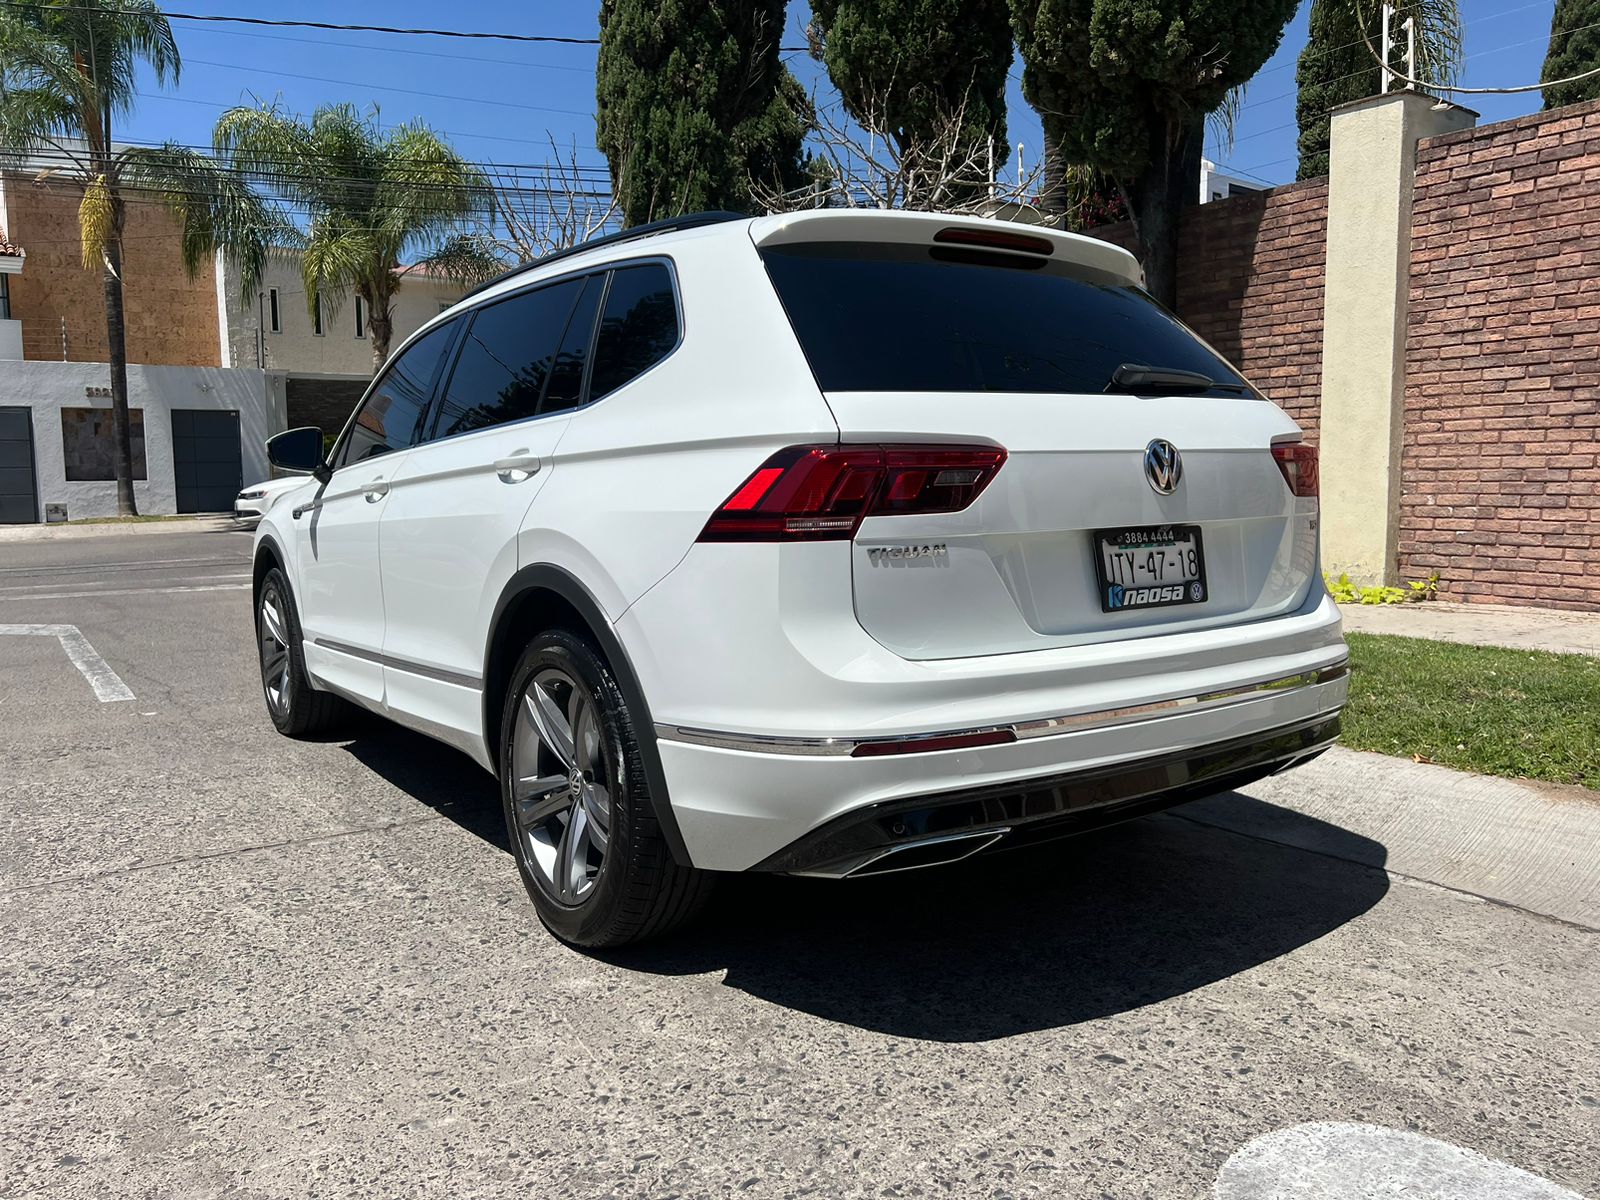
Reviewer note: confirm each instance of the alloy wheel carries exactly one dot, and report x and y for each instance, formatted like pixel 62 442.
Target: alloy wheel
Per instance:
pixel 275 662
pixel 562 784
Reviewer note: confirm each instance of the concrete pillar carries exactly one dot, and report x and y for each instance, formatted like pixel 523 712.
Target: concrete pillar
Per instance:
pixel 1371 165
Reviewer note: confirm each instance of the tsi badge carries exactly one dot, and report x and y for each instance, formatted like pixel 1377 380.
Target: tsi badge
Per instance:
pixel 897 555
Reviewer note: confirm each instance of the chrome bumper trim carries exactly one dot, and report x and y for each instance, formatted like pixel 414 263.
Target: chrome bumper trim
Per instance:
pixel 842 747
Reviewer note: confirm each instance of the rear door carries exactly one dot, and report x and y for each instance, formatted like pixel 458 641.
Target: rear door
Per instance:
pixel 339 586
pixel 1081 378
pixel 449 535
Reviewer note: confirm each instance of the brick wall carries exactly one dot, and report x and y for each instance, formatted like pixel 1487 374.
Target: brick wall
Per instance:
pixel 1250 283
pixel 325 403
pixel 1501 483
pixel 171 319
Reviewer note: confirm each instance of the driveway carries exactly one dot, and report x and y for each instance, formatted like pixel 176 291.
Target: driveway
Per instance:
pixel 239 965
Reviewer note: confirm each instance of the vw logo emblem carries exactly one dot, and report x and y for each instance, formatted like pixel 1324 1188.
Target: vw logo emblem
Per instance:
pixel 1163 466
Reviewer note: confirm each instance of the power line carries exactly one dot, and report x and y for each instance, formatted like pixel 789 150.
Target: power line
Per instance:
pixel 333 26
pixel 384 87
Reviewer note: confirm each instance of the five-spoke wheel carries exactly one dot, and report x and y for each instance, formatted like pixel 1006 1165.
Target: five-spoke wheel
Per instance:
pixel 562 783
pixel 296 708
pixel 579 810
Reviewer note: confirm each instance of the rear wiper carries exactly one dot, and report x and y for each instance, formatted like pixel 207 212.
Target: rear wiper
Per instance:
pixel 1137 377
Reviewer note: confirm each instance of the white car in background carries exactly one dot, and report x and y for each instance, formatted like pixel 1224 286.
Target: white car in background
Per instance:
pixel 832 543
pixel 252 502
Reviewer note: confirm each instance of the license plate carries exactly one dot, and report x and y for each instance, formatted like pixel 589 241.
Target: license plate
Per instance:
pixel 1149 566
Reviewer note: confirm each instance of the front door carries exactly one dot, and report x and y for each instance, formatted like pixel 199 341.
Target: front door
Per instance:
pixel 339 587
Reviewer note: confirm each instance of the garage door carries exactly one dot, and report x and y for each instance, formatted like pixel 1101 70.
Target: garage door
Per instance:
pixel 18 496
pixel 205 459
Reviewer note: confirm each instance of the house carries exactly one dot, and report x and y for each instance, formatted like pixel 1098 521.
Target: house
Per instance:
pixel 212 373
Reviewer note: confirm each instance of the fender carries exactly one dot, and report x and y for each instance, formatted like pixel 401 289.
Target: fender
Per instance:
pixel 553 579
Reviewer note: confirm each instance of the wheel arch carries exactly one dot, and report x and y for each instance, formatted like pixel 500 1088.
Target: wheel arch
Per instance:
pixel 268 555
pixel 542 597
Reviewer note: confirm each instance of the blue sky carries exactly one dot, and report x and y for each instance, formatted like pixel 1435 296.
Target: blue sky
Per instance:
pixel 502 101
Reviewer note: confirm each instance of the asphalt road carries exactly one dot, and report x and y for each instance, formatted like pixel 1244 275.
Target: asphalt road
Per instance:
pixel 236 965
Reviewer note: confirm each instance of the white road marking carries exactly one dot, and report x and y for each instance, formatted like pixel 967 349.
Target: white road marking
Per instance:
pixel 145 591
pixel 107 684
pixel 1336 1160
pixel 138 564
pixel 22 590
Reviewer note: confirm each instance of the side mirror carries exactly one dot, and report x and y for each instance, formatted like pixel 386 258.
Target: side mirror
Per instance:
pixel 299 450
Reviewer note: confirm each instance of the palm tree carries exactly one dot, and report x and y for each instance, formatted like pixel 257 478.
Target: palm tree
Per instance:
pixel 369 197
pixel 66 70
pixel 1337 64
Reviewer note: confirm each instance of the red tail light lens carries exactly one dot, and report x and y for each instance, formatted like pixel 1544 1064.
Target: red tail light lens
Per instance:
pixel 810 493
pixel 1298 462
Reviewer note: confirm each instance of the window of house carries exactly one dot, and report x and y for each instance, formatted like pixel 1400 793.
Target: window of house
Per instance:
pixel 506 358
pixel 390 417
pixel 361 318
pixel 316 317
pixel 89 443
pixel 5 298
pixel 638 327
pixel 274 317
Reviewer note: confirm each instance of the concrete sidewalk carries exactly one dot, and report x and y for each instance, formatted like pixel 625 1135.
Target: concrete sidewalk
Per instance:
pixel 1518 628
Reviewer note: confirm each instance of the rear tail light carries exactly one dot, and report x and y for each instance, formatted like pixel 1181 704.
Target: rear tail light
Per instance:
pixel 1298 462
pixel 812 493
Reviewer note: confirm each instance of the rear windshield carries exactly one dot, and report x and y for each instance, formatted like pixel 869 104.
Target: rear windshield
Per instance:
pixel 884 318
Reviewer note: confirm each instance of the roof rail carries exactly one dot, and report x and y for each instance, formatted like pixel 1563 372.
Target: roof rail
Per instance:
pixel 650 228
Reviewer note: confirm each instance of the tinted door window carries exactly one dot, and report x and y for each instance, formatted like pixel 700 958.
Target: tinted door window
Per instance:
pixel 566 378
pixel 911 319
pixel 506 359
pixel 390 418
pixel 638 328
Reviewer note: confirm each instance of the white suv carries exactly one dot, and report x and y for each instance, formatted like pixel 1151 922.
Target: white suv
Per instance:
pixel 834 543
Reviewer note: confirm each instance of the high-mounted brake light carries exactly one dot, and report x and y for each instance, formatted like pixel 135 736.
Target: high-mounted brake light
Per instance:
pixel 994 239
pixel 1298 462
pixel 812 493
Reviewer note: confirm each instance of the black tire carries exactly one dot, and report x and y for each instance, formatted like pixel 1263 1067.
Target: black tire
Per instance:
pixel 638 891
pixel 297 709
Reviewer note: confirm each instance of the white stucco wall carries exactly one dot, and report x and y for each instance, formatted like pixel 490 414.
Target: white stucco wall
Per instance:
pixel 297 349
pixel 10 339
pixel 48 387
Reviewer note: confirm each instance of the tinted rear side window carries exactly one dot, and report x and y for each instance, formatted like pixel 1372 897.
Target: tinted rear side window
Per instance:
pixel 898 319
pixel 506 358
pixel 638 327
pixel 391 417
pixel 566 377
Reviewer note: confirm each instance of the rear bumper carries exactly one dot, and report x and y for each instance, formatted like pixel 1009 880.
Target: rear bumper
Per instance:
pixel 948 826
pixel 831 813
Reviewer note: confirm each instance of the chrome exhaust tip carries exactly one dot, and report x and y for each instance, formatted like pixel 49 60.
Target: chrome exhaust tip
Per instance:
pixel 911 856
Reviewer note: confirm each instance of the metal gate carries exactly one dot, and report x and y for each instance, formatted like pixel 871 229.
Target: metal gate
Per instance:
pixel 19 495
pixel 206 459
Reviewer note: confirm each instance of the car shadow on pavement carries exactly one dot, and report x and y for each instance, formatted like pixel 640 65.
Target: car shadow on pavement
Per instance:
pixel 1050 936
pixel 1011 943
pixel 434 774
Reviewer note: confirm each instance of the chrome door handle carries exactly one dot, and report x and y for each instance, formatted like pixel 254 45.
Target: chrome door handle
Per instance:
pixel 376 490
pixel 518 467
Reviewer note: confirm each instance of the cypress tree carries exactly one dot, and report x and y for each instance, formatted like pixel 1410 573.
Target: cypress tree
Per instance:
pixel 1336 66
pixel 911 65
pixel 1124 86
pixel 693 104
pixel 1574 49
